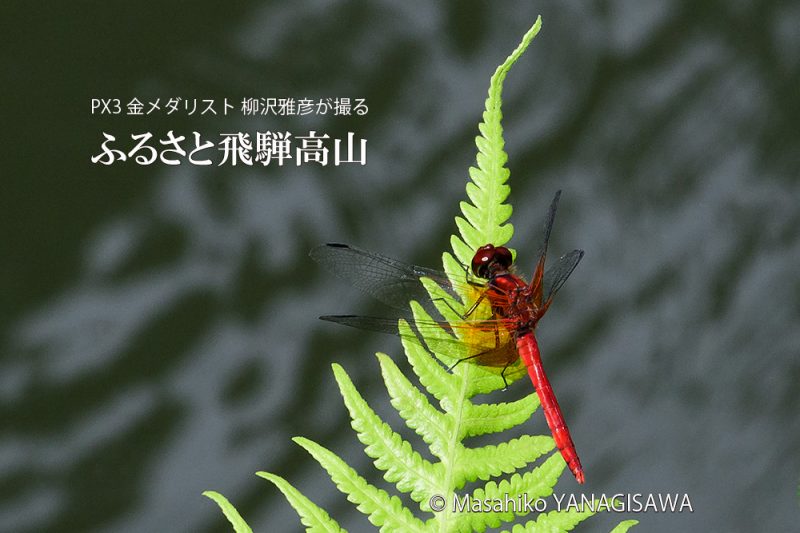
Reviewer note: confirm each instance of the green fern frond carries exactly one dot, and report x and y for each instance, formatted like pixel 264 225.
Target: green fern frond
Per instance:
pixel 565 520
pixel 485 218
pixel 393 455
pixel 230 512
pixel 622 527
pixel 537 483
pixel 442 412
pixel 496 417
pixel 313 517
pixel 504 458
pixel 429 423
pixel 554 521
pixel 383 510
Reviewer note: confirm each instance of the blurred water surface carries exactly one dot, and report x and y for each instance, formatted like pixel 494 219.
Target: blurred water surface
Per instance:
pixel 158 324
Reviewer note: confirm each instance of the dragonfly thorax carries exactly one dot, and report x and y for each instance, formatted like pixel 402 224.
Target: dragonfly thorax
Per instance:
pixel 511 298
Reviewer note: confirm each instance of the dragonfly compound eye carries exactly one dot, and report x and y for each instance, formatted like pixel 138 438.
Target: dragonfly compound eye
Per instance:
pixel 482 259
pixel 503 257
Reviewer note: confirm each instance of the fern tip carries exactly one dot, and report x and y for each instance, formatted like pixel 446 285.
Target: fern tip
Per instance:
pixel 300 440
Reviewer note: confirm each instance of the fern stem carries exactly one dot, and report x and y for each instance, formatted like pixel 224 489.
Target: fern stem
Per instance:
pixel 454 443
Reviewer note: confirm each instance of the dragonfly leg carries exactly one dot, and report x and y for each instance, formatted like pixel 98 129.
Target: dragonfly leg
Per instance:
pixel 471 310
pixel 447 303
pixel 450 369
pixel 469 279
pixel 503 375
pixel 496 346
pixel 475 306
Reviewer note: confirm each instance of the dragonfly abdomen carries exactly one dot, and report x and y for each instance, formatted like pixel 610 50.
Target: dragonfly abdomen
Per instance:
pixel 528 350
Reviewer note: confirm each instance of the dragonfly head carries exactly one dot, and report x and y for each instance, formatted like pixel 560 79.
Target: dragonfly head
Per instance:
pixel 490 260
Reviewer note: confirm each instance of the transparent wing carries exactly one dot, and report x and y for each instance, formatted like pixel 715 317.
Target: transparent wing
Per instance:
pixel 556 275
pixel 392 282
pixel 482 342
pixel 547 227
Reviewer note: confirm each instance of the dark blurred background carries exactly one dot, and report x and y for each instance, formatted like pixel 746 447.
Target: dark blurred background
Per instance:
pixel 159 332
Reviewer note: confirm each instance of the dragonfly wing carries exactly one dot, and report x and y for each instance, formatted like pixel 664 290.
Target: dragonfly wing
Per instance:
pixel 556 275
pixel 369 323
pixel 392 282
pixel 547 227
pixel 475 341
pixel 498 357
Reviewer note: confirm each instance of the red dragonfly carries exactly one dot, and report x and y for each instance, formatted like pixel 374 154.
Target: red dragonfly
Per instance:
pixel 514 308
